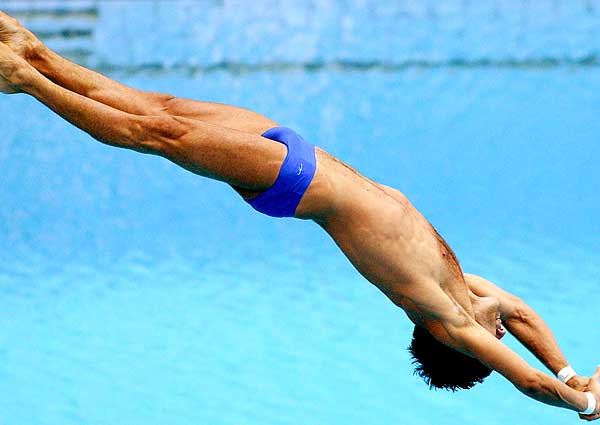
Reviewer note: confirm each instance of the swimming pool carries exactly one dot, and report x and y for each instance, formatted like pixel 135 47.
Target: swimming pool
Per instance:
pixel 134 292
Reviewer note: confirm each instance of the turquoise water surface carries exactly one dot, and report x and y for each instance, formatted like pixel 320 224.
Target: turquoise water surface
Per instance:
pixel 134 292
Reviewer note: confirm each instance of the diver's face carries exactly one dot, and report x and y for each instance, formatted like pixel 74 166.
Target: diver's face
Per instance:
pixel 487 314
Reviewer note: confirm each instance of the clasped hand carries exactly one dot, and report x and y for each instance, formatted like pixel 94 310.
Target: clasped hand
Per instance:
pixel 583 383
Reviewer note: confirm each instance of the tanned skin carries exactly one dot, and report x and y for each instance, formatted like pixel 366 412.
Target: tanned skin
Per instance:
pixel 388 241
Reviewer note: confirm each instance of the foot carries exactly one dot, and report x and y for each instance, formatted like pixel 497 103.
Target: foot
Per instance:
pixel 17 37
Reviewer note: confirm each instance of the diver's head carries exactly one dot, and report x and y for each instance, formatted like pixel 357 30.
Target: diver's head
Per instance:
pixel 442 367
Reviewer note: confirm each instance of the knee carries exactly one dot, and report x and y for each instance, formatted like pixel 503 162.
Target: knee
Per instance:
pixel 171 105
pixel 157 135
pixel 162 103
pixel 195 109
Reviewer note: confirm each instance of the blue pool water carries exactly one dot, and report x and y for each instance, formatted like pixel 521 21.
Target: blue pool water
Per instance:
pixel 134 292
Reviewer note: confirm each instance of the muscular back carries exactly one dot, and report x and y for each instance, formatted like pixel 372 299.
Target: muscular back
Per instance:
pixel 385 237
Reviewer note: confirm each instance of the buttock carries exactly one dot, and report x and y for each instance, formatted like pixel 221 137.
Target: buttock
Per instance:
pixel 295 175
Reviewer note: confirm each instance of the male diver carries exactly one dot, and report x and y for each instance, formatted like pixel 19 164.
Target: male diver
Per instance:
pixel 459 318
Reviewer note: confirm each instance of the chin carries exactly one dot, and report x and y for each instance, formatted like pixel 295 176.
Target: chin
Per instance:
pixel 500 332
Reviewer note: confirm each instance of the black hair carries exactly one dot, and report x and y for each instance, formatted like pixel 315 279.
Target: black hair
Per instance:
pixel 442 367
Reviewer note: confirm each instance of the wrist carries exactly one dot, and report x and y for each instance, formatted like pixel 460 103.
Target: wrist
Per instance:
pixel 565 374
pixel 593 404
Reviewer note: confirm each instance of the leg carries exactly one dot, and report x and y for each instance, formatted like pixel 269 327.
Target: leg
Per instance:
pixel 95 86
pixel 112 93
pixel 242 159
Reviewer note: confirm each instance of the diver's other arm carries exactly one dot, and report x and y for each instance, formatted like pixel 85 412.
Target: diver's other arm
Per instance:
pixel 475 341
pixel 527 326
pixel 453 327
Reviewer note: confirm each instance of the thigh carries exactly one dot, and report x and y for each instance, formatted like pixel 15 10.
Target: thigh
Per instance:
pixel 221 115
pixel 242 159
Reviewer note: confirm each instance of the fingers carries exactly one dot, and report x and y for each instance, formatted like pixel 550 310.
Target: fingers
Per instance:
pixel 589 418
pixel 579 383
pixel 593 387
pixel 596 375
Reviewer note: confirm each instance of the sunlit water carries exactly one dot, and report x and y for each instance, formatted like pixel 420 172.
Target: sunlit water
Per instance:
pixel 134 292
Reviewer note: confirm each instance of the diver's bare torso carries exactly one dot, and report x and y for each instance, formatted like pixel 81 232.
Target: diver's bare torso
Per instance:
pixel 382 234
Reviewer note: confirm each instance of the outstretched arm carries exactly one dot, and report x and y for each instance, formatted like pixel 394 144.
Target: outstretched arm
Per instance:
pixel 453 326
pixel 527 326
pixel 475 341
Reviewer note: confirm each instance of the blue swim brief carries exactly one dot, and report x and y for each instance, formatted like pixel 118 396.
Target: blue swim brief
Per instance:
pixel 295 175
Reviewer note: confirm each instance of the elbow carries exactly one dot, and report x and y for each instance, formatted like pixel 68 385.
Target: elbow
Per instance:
pixel 530 384
pixel 519 311
pixel 522 312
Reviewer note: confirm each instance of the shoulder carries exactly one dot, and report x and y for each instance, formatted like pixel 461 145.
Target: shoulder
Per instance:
pixel 428 305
